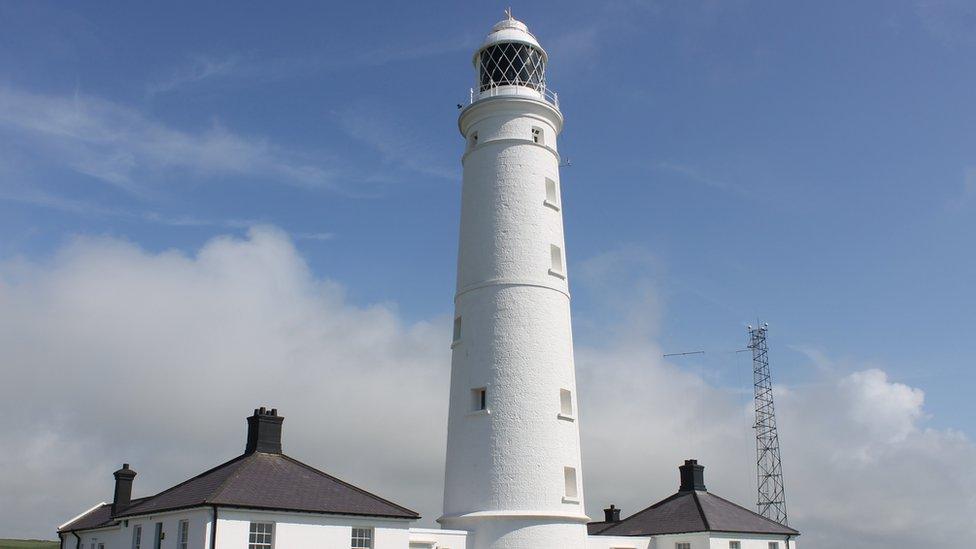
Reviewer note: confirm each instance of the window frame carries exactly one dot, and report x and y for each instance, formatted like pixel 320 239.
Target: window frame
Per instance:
pixel 458 326
pixel 183 534
pixel 735 544
pixel 566 408
pixel 479 400
pixel 570 485
pixel 260 544
pixel 137 536
pixel 682 545
pixel 368 538
pixel 552 200
pixel 556 256
pixel 538 135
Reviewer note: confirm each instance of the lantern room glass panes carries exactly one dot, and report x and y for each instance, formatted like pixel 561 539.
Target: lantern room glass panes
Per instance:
pixel 512 64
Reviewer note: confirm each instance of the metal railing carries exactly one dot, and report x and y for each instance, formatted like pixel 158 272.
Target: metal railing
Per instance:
pixel 493 90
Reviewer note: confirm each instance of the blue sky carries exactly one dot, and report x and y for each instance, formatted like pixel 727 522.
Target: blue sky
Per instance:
pixel 811 164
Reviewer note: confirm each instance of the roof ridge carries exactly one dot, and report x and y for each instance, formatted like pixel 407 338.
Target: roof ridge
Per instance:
pixel 187 481
pixel 769 520
pixel 701 512
pixel 348 485
pixel 223 485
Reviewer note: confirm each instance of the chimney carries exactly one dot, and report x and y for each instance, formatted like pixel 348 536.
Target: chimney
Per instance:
pixel 611 514
pixel 123 489
pixel 692 476
pixel 264 431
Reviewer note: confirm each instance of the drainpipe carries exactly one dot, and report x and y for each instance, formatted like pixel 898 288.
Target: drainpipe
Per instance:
pixel 77 543
pixel 213 530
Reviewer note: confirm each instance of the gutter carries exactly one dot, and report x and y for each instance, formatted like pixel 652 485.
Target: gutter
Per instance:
pixel 213 531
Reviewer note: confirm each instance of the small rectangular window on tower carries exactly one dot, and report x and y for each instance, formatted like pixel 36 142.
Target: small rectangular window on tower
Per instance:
pixel 572 488
pixel 735 545
pixel 565 404
pixel 552 194
pixel 473 141
pixel 682 545
pixel 479 399
pixel 556 261
pixel 457 329
pixel 538 136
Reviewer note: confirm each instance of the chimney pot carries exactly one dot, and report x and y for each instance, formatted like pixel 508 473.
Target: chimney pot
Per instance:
pixel 692 476
pixel 611 514
pixel 264 432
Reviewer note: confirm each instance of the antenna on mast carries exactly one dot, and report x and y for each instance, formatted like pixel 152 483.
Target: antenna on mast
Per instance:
pixel 508 13
pixel 769 464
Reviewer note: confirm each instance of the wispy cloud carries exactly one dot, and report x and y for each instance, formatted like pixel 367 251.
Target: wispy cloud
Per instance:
pixel 122 146
pixel 951 22
pixel 200 67
pixel 86 208
pixel 204 67
pixel 397 142
pixel 696 175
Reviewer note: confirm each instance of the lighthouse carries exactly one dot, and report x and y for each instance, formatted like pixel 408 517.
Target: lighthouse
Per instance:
pixel 513 474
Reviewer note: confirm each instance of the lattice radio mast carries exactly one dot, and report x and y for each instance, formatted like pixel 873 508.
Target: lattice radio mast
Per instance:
pixel 769 464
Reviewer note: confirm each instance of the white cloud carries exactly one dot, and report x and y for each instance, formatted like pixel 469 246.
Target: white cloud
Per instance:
pixel 121 146
pixel 111 353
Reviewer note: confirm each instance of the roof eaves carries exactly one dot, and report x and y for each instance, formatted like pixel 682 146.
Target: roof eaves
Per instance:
pixel 82 514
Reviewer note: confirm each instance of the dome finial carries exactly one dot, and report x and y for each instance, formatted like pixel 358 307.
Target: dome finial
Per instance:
pixel 508 13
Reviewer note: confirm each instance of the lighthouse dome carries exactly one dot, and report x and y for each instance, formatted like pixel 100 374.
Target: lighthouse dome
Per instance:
pixel 510 56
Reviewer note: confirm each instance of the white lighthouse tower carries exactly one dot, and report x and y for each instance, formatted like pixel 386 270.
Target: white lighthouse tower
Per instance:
pixel 513 476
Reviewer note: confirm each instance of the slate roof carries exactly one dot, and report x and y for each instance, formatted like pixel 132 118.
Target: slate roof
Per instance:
pixel 99 517
pixel 271 481
pixel 691 511
pixel 257 480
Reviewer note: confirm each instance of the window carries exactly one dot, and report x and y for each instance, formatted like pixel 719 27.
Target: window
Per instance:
pixel 774 545
pixel 538 136
pixel 183 534
pixel 101 546
pixel 137 536
pixel 572 489
pixel 362 537
pixel 552 194
pixel 556 261
pixel 261 535
pixel 682 545
pixel 473 140
pixel 735 545
pixel 479 399
pixel 565 403
pixel 457 329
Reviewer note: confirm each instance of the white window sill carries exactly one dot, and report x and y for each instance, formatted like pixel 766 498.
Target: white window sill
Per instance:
pixel 567 499
pixel 485 412
pixel 565 417
pixel 557 274
pixel 552 205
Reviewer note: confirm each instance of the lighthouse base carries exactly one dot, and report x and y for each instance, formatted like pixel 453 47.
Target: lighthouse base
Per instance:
pixel 499 530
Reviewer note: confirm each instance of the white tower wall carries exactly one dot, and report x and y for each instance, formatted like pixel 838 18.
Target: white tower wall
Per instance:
pixel 506 477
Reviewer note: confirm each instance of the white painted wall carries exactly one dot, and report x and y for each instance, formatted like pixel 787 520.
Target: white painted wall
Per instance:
pixel 427 538
pixel 307 531
pixel 618 542
pixel 504 479
pixel 721 540
pixel 698 540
